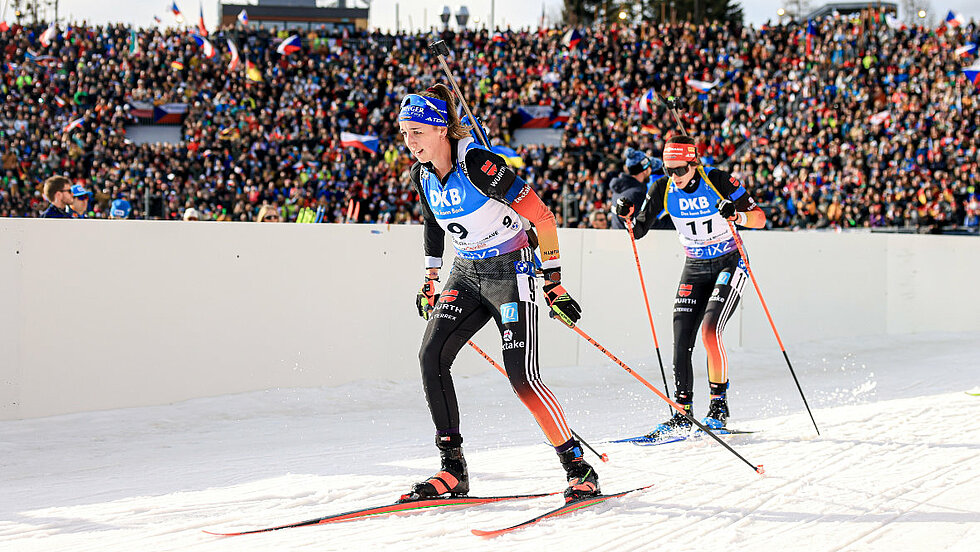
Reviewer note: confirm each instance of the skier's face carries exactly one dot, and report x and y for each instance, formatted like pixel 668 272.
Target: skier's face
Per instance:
pixel 425 142
pixel 673 169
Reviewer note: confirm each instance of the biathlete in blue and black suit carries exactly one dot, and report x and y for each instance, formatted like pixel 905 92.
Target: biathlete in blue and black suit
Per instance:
pixel 473 195
pixel 700 200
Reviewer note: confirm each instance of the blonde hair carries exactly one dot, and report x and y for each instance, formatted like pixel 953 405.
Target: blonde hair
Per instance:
pixel 267 210
pixel 456 129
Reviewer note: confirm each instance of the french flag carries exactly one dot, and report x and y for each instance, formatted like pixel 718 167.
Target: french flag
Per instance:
pixel 72 125
pixel 200 21
pixel 235 60
pixel 968 49
pixel 176 11
pixel 647 102
pixel 48 35
pixel 954 19
pixel 243 18
pixel 364 142
pixel 205 45
pixel 290 45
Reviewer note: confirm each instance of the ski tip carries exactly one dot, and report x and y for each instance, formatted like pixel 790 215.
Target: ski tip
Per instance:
pixel 205 531
pixel 485 534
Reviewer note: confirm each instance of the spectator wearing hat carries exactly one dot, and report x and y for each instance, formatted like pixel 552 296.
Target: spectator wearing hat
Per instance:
pixel 632 182
pixel 192 214
pixel 120 209
pixel 81 197
pixel 57 190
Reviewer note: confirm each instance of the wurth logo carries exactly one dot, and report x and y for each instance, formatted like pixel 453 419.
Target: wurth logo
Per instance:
pixel 445 198
pixel 489 168
pixel 685 290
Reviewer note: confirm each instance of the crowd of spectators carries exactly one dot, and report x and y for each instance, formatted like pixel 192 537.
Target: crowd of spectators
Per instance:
pixel 798 121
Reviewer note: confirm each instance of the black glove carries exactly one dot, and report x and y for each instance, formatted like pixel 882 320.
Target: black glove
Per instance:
pixel 726 208
pixel 426 299
pixel 624 207
pixel 558 299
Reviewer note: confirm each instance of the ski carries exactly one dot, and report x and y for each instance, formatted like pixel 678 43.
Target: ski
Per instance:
pixel 645 441
pixel 561 511
pixel 394 508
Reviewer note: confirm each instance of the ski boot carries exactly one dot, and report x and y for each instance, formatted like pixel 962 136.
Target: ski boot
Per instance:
pixel 451 481
pixel 718 408
pixel 583 482
pixel 677 425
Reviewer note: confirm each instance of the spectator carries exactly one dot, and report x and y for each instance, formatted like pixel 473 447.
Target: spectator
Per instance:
pixel 120 209
pixel 57 190
pixel 192 214
pixel 632 183
pixel 79 205
pixel 268 213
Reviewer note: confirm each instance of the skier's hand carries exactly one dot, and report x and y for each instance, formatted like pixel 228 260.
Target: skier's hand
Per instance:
pixel 426 298
pixel 727 209
pixel 624 207
pixel 559 300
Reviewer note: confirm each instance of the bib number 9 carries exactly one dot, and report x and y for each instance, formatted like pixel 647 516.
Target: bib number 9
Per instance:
pixel 457 228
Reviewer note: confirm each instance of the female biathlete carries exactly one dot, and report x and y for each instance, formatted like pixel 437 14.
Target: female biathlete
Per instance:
pixel 472 193
pixel 700 200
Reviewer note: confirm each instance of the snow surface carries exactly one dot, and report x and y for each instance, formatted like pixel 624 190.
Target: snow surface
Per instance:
pixel 895 469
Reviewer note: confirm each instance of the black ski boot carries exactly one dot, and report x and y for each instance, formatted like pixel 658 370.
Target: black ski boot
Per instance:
pixel 451 481
pixel 583 481
pixel 718 408
pixel 677 425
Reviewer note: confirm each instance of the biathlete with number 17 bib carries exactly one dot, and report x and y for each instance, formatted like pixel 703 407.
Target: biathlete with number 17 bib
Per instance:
pixel 471 193
pixel 700 200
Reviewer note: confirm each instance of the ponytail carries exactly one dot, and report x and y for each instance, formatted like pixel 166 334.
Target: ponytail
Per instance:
pixel 456 130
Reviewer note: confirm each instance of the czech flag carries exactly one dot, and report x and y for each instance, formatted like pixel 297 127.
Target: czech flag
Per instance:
pixel 967 50
pixel 364 142
pixel 72 125
pixel 169 114
pixel 973 73
pixel 954 19
pixel 571 39
pixel 243 18
pixel 541 116
pixel 176 11
pixel 235 60
pixel 205 45
pixel 647 102
pixel 290 45
pixel 157 19
pixel 881 117
pixel 48 35
pixel 200 22
pixel 702 86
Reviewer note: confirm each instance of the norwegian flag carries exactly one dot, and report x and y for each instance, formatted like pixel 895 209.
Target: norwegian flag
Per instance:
pixel 290 45
pixel 205 45
pixel 235 59
pixel 200 21
pixel 48 35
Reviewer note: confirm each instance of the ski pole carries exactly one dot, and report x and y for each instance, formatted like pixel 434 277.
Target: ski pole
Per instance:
pixel 555 313
pixel 602 456
pixel 646 300
pixel 745 259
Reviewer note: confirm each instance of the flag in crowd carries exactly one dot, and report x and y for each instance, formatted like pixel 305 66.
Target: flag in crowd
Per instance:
pixel 541 116
pixel 200 21
pixel 811 33
pixel 252 73
pixel 243 18
pixel 894 22
pixel 48 35
pixel 509 155
pixel 954 19
pixel 60 101
pixel 73 124
pixel 968 49
pixel 498 37
pixel 702 86
pixel 571 39
pixel 973 73
pixel 176 65
pixel 290 45
pixel 176 11
pixel 205 45
pixel 364 142
pixel 133 43
pixel 169 114
pixel 235 60
pixel 157 19
pixel 647 102
pixel 880 117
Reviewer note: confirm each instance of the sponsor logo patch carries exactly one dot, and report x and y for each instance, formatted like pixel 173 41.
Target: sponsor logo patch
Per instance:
pixel 685 290
pixel 723 278
pixel 508 313
pixel 524 267
pixel 448 296
pixel 508 335
pixel 489 168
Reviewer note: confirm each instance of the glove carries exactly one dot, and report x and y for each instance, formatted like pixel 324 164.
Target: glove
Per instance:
pixel 726 208
pixel 426 299
pixel 558 299
pixel 624 207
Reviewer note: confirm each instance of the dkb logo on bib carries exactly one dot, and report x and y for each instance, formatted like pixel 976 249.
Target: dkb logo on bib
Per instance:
pixel 693 204
pixel 445 198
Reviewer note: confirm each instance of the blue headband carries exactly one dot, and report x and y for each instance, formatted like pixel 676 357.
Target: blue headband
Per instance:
pixel 421 109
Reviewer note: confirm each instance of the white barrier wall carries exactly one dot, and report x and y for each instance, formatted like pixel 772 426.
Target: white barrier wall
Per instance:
pixel 107 314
